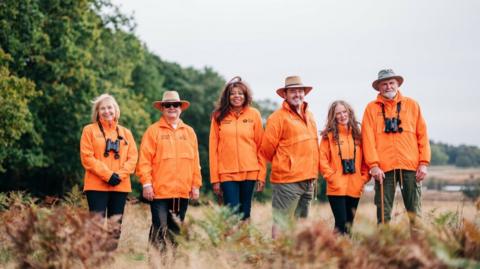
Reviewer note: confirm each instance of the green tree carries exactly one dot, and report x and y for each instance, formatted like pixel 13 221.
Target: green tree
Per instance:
pixel 439 156
pixel 15 117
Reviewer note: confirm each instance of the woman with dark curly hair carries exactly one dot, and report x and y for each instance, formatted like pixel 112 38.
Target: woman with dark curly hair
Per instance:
pixel 235 136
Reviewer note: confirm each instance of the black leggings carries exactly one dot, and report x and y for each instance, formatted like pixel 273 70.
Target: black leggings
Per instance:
pixel 109 202
pixel 343 208
pixel 164 223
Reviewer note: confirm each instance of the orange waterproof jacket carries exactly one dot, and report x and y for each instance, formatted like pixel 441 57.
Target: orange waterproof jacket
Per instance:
pixel 98 168
pixel 169 160
pixel 290 143
pixel 331 165
pixel 405 150
pixel 234 146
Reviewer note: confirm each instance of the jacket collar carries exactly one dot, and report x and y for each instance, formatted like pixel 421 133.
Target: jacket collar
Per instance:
pixel 342 129
pixel 164 124
pixel 108 125
pixel 244 109
pixel 399 97
pixel 286 105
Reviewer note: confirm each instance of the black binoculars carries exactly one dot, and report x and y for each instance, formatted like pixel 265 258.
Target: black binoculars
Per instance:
pixel 392 125
pixel 348 166
pixel 112 146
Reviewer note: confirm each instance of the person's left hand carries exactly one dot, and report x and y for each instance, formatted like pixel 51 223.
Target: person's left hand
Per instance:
pixel 194 193
pixel 421 172
pixel 260 186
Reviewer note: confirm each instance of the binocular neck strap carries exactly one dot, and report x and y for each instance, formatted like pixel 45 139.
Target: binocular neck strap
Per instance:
pixel 399 107
pixel 103 132
pixel 340 149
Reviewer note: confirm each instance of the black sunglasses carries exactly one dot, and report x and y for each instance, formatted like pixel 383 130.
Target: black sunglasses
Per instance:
pixel 168 105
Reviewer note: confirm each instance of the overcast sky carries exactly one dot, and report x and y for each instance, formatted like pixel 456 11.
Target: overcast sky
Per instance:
pixel 336 46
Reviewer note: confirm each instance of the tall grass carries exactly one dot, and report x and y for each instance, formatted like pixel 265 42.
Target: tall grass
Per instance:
pixel 66 236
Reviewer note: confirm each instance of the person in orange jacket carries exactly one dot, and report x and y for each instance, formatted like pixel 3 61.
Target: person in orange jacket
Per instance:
pixel 395 144
pixel 235 136
pixel 341 163
pixel 169 169
pixel 108 154
pixel 290 143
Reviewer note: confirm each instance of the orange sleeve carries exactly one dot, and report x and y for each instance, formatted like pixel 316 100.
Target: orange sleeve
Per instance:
pixel 213 152
pixel 364 171
pixel 368 139
pixel 88 159
pixel 262 163
pixel 422 139
pixel 271 138
pixel 132 156
pixel 197 176
pixel 325 157
pixel 147 152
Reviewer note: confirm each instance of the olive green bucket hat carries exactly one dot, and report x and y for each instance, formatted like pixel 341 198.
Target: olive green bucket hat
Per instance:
pixel 386 74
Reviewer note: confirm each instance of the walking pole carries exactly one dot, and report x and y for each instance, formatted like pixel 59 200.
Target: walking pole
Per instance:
pixel 381 202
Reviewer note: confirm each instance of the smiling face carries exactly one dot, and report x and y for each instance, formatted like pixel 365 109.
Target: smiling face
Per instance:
pixel 341 115
pixel 106 110
pixel 172 111
pixel 388 88
pixel 237 97
pixel 294 96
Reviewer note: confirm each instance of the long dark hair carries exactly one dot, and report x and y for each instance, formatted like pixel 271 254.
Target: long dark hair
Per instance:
pixel 223 105
pixel 332 126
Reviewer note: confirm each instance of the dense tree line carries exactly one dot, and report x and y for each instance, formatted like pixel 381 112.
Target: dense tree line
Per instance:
pixel 461 156
pixel 55 57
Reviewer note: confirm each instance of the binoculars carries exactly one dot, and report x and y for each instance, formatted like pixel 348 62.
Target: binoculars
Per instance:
pixel 348 166
pixel 112 146
pixel 392 125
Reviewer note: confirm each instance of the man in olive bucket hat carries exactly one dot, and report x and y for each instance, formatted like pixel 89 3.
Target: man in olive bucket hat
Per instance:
pixel 395 145
pixel 290 143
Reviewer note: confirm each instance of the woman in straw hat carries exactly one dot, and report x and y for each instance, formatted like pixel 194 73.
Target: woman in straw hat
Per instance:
pixel 341 163
pixel 169 168
pixel 235 136
pixel 109 154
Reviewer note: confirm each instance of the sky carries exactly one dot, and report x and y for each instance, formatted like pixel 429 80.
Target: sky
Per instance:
pixel 336 46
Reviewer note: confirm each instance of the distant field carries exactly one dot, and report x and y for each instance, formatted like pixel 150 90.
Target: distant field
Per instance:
pixel 452 174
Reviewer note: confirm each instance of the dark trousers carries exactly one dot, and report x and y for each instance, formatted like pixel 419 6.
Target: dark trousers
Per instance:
pixel 238 195
pixel 411 193
pixel 343 208
pixel 110 203
pixel 166 213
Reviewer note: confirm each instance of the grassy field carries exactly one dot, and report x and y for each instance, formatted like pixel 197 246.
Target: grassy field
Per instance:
pixel 133 249
pixel 66 236
pixel 452 174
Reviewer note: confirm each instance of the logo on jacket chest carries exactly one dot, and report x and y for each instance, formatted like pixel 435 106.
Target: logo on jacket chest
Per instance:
pixel 247 121
pixel 181 137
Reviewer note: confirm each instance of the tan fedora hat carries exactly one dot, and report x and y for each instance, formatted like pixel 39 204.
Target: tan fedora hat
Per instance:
pixel 293 82
pixel 386 74
pixel 171 97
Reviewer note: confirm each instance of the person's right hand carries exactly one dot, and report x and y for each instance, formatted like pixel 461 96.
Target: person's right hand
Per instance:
pixel 148 193
pixel 216 188
pixel 114 180
pixel 378 174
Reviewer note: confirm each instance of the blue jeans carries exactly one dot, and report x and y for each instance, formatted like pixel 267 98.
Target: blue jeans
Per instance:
pixel 238 195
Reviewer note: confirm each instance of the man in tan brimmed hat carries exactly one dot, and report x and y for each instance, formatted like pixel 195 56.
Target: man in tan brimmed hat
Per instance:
pixel 169 168
pixel 290 143
pixel 395 145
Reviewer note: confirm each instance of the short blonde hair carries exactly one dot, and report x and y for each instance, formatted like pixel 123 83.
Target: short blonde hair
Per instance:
pixel 98 101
